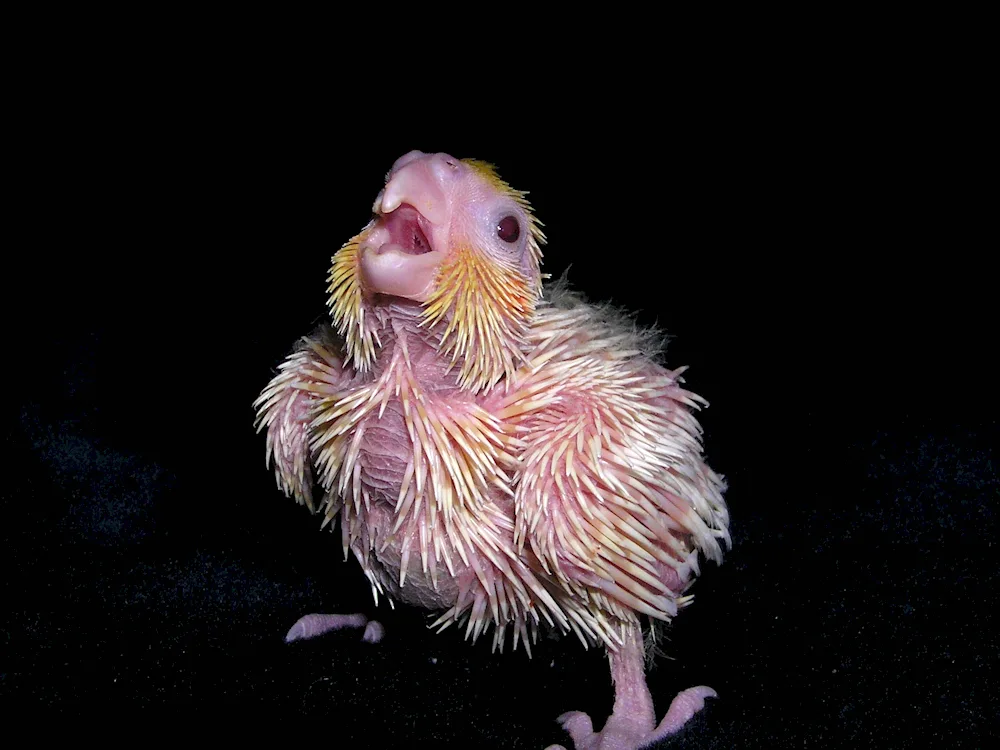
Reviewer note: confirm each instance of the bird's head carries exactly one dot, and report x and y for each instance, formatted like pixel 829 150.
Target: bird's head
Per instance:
pixel 451 236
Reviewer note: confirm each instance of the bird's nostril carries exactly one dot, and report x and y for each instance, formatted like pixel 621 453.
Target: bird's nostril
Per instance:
pixel 447 160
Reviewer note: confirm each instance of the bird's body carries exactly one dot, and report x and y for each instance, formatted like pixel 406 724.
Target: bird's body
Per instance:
pixel 508 457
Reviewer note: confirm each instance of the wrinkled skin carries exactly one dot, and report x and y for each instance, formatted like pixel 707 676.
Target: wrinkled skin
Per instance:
pixel 507 457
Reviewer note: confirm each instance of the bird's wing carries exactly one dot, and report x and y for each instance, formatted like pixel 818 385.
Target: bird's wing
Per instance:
pixel 612 494
pixel 285 409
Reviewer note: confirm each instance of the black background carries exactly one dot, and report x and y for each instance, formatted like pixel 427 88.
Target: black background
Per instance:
pixel 810 250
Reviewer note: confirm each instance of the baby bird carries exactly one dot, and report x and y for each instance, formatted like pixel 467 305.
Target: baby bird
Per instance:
pixel 495 449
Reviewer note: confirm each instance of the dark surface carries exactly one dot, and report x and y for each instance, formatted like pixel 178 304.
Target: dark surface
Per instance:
pixel 152 568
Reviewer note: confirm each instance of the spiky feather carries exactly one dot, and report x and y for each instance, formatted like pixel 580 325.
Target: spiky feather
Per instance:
pixel 485 306
pixel 347 307
pixel 598 447
pixel 611 487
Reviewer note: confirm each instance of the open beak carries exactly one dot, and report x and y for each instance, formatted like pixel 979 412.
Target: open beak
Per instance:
pixel 402 251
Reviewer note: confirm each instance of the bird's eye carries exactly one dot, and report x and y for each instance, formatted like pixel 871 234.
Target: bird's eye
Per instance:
pixel 508 229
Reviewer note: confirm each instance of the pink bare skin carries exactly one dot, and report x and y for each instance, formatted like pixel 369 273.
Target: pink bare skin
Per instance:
pixel 633 720
pixel 540 472
pixel 311 626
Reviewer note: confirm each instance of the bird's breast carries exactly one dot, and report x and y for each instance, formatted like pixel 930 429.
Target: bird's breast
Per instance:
pixel 425 472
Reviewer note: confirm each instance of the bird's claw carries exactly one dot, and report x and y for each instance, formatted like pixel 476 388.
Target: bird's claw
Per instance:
pixel 311 626
pixel 622 732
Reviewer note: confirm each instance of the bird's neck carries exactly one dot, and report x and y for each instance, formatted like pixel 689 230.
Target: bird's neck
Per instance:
pixel 408 346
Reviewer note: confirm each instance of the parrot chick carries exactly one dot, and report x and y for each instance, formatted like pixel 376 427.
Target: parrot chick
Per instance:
pixel 495 450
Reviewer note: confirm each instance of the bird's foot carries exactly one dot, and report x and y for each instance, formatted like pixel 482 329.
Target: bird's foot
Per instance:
pixel 314 625
pixel 626 731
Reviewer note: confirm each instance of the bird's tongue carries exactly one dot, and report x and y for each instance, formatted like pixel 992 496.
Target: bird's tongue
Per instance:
pixel 405 232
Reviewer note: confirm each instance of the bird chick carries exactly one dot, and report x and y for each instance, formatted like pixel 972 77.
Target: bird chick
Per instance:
pixel 496 450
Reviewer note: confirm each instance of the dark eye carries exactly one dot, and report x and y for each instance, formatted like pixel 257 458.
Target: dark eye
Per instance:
pixel 508 229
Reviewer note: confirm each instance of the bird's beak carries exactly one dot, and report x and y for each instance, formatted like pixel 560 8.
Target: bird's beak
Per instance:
pixel 418 183
pixel 402 251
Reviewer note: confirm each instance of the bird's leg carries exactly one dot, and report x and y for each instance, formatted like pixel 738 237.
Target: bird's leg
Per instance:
pixel 632 723
pixel 314 625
